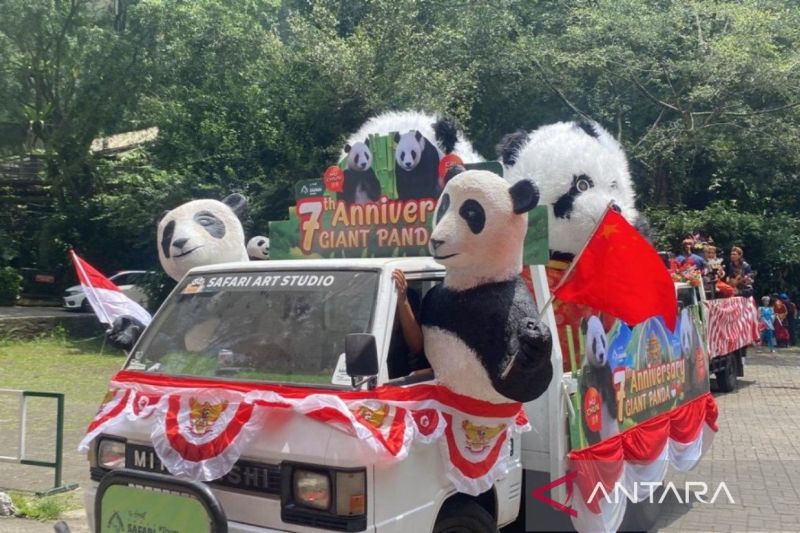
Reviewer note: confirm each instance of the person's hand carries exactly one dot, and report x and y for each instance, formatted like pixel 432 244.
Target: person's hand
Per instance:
pixel 401 285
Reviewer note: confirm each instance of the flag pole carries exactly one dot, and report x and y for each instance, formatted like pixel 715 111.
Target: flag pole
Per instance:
pixel 571 267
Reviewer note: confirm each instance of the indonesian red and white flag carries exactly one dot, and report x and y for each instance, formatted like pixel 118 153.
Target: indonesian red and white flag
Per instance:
pixel 107 301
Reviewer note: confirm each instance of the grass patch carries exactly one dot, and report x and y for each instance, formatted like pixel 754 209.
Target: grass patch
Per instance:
pixel 46 508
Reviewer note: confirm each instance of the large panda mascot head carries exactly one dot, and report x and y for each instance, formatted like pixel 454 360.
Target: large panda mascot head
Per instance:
pixel 481 329
pixel 579 169
pixel 479 228
pixel 201 232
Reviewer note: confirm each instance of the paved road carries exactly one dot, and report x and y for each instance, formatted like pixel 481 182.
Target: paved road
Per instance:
pixel 756 454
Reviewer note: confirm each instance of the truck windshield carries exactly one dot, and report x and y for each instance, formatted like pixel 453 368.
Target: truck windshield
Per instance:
pixel 259 326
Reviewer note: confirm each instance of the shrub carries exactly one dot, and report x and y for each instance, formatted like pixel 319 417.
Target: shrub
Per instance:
pixel 10 286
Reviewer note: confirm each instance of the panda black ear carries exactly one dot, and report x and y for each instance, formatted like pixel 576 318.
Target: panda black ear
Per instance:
pixel 446 134
pixel 366 141
pixel 524 196
pixel 347 148
pixel 584 325
pixel 397 136
pixel 418 136
pixel 510 145
pixel 236 202
pixel 588 127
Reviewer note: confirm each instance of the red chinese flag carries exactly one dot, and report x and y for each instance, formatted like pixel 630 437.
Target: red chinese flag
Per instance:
pixel 620 273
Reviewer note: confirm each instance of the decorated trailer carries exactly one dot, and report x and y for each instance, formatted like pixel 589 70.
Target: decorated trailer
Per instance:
pixel 732 328
pixel 271 389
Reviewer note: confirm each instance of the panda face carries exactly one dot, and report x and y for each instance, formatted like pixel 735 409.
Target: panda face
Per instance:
pixel 479 228
pixel 258 247
pixel 409 150
pixel 359 156
pixel 580 169
pixel 200 232
pixel 596 343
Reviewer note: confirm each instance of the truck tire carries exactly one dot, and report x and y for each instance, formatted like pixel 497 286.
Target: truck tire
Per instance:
pixel 726 378
pixel 463 515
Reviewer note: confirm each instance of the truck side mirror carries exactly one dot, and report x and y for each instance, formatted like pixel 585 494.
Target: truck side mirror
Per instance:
pixel 361 357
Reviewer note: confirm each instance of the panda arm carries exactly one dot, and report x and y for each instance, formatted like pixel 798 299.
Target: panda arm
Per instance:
pixel 526 372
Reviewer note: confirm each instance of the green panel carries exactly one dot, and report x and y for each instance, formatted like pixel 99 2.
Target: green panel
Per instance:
pixel 536 248
pixel 127 508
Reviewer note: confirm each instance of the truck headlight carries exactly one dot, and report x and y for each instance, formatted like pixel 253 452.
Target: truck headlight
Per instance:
pixel 110 454
pixel 312 489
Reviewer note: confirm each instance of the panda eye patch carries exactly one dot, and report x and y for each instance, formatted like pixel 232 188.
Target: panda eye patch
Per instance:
pixel 209 222
pixel 413 154
pixel 472 212
pixel 444 205
pixel 583 183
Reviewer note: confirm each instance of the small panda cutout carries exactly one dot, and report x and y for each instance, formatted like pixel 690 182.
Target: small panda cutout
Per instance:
pixel 361 185
pixel 258 248
pixel 597 374
pixel 579 169
pixel 201 232
pixel 416 166
pixel 481 329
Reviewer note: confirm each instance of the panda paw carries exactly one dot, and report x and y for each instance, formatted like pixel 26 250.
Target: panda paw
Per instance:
pixel 535 340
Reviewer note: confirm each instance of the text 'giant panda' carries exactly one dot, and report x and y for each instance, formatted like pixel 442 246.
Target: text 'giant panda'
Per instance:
pixel 481 329
pixel 201 232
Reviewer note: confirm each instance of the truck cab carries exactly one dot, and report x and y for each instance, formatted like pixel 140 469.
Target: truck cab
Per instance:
pixel 286 323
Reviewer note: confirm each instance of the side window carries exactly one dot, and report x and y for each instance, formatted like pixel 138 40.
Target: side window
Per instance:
pixel 404 358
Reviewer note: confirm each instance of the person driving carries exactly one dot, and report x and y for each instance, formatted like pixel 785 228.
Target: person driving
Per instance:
pixel 406 350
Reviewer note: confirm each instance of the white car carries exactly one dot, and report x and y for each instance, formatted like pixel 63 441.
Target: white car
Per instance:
pixel 126 280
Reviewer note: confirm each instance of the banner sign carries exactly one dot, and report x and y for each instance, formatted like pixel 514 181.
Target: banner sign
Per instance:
pixel 371 207
pixel 200 428
pixel 627 376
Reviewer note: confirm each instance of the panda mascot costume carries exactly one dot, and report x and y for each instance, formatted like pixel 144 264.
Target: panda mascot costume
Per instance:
pixel 197 233
pixel 597 374
pixel 201 232
pixel 421 140
pixel 361 185
pixel 481 329
pixel 258 248
pixel 579 169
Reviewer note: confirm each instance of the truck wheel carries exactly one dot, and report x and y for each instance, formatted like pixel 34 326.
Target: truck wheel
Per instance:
pixel 726 378
pixel 462 515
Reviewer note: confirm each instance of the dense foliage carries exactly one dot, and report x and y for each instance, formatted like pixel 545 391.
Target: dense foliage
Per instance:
pixel 252 95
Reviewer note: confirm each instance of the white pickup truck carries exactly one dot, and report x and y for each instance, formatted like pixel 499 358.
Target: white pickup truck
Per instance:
pixel 294 334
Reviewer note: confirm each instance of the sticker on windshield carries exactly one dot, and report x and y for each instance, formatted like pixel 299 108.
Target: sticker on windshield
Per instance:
pixel 259 281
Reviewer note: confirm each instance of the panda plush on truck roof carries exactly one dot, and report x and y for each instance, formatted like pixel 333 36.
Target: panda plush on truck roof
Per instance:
pixel 481 329
pixel 579 169
pixel 421 140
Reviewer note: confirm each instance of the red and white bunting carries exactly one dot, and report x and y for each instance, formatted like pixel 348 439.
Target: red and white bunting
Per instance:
pixel 200 428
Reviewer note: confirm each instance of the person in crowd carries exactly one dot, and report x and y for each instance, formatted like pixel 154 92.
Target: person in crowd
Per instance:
pixel 715 273
pixel 688 257
pixel 739 275
pixel 766 323
pixel 781 329
pixel 791 316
